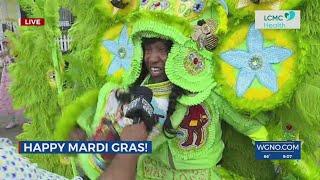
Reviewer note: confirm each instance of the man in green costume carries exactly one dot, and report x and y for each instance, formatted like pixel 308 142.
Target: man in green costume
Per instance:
pixel 186 141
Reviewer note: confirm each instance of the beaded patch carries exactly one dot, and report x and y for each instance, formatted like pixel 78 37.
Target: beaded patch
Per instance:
pixel 119 4
pixel 184 8
pixel 156 5
pixel 246 3
pixel 198 6
pixel 51 78
pixel 290 133
pixel 194 127
pixel 204 34
pixel 256 62
pixel 194 63
pixel 122 50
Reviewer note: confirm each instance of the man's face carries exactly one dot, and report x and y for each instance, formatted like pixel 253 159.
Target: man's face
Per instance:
pixel 155 57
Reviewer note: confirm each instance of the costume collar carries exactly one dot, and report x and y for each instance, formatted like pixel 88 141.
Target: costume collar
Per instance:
pixel 161 89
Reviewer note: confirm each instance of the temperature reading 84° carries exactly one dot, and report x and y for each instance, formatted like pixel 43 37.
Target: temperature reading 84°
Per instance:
pixel 266 156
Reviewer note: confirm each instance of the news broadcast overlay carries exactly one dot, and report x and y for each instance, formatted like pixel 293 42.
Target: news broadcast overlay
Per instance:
pixel 68 147
pixel 275 19
pixel 277 150
pixel 31 21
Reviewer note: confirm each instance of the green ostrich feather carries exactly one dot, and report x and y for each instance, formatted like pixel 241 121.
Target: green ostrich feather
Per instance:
pixel 299 118
pixel 238 156
pixel 86 34
pixel 30 87
pixel 71 113
pixel 27 6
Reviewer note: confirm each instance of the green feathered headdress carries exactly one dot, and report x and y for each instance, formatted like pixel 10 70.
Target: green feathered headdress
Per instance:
pixel 192 26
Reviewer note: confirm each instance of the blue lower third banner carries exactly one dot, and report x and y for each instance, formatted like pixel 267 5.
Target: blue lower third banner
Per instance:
pixel 62 147
pixel 276 150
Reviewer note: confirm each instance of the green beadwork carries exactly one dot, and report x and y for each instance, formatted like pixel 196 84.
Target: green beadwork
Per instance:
pixel 181 76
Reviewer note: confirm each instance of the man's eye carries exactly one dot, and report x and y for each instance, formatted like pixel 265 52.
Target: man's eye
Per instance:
pixel 163 50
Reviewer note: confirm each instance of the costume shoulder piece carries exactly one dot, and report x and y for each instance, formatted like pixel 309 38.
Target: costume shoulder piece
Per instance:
pixel 259 69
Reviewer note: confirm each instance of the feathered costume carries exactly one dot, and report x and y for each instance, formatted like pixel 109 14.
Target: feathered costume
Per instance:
pixel 264 83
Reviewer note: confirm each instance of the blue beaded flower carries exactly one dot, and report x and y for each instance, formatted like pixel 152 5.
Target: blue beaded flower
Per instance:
pixel 122 49
pixel 256 62
pixel 198 6
pixel 144 2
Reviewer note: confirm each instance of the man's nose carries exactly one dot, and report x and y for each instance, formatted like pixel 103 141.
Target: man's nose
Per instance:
pixel 154 57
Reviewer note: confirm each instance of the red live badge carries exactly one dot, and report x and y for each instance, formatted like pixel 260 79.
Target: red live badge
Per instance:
pixel 31 21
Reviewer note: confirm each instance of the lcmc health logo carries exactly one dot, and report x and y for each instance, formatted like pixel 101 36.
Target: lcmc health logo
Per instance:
pixel 289 19
pixel 289 15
